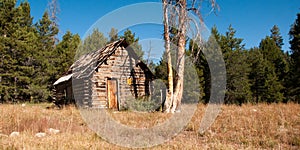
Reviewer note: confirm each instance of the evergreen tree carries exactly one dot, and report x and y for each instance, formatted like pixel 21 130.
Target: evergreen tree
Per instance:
pixel 65 53
pixel 276 36
pixel 92 42
pixel 46 32
pixel 237 68
pixel 282 62
pixel 295 56
pixel 273 53
pixel 113 34
pixel 7 10
pixel 269 49
pixel 265 84
pixel 45 73
pixel 211 61
pixel 133 43
pixel 29 63
pixel 238 84
pixel 18 39
pixel 161 71
pixel 276 64
pixel 202 69
pixel 257 74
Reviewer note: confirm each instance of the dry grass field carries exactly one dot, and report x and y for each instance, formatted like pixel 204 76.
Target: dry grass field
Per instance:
pixel 275 126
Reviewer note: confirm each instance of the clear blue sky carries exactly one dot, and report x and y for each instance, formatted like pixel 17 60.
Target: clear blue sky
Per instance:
pixel 252 19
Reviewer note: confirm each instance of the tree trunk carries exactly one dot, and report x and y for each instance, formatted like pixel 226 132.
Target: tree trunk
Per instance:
pixel 180 56
pixel 169 97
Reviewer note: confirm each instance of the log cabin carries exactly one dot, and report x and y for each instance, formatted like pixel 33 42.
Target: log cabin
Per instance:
pixel 105 78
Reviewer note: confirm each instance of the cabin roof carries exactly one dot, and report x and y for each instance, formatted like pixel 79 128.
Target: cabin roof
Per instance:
pixel 63 79
pixel 87 63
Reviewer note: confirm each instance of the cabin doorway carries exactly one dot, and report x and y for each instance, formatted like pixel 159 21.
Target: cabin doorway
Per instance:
pixel 112 94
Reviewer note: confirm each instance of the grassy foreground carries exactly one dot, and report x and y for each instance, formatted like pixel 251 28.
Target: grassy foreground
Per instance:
pixel 275 126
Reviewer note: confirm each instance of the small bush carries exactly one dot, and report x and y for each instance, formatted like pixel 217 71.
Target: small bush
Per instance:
pixel 145 104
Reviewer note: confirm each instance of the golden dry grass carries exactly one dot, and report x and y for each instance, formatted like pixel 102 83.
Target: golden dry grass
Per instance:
pixel 275 126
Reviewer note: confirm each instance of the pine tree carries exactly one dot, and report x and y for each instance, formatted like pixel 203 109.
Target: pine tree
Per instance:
pixel 113 34
pixel 7 9
pixel 282 62
pixel 266 62
pixel 161 71
pixel 295 56
pixel 275 35
pixel 133 43
pixel 265 84
pixel 45 73
pixel 65 53
pixel 202 69
pixel 211 62
pixel 46 32
pixel 269 49
pixel 277 67
pixel 29 63
pixel 257 74
pixel 18 39
pixel 275 55
pixel 95 41
pixel 237 68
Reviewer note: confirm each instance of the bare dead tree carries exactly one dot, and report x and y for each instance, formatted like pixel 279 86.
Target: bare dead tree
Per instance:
pixel 149 53
pixel 180 20
pixel 182 24
pixel 169 97
pixel 54 10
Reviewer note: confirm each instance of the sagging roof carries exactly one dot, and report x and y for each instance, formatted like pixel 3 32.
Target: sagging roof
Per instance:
pixel 87 63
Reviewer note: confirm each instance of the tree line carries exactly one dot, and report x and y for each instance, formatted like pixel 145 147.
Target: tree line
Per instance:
pixel 265 73
pixel 32 59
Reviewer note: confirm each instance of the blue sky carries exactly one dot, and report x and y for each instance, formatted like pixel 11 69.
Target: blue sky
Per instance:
pixel 252 19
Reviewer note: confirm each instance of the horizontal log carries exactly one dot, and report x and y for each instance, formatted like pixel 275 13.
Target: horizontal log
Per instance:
pixel 101 103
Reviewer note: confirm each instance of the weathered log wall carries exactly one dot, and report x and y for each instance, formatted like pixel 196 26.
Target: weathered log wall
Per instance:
pixel 82 92
pixel 92 71
pixel 123 67
pixel 64 92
